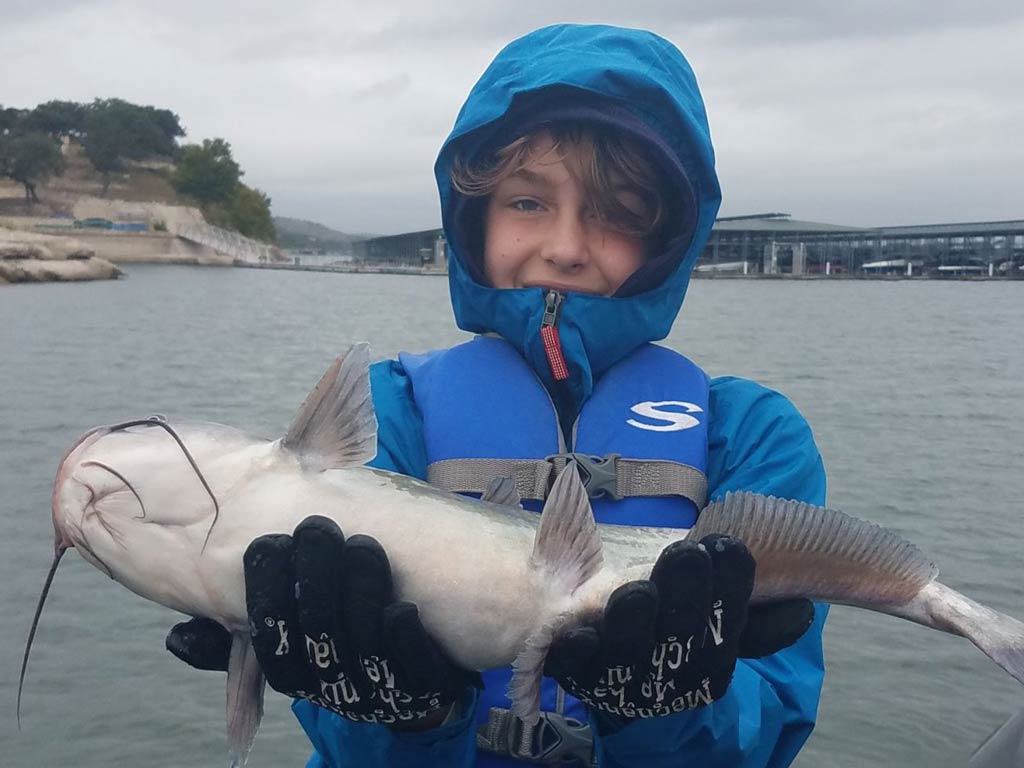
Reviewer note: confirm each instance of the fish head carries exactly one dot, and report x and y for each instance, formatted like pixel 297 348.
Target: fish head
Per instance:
pixel 139 501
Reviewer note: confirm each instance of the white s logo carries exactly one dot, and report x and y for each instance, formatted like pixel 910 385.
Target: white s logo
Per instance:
pixel 677 421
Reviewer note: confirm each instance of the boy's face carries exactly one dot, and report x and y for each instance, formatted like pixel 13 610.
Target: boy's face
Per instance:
pixel 540 231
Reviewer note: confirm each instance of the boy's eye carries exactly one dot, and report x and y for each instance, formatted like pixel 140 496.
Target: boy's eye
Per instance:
pixel 526 205
pixel 633 202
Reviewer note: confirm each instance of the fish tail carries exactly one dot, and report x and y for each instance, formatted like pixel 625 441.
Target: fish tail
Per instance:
pixel 998 636
pixel 1002 640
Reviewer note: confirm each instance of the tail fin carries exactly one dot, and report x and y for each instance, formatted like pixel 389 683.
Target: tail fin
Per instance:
pixel 1005 746
pixel 1002 640
pixel 998 636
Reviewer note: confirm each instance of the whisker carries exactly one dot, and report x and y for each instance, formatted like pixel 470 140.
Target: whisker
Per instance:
pixel 123 479
pixel 57 555
pixel 159 421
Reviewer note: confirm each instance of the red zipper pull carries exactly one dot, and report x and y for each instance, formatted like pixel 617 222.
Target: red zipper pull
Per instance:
pixel 549 335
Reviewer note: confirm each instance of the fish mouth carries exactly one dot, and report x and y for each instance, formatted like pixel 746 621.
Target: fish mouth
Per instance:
pixel 62 539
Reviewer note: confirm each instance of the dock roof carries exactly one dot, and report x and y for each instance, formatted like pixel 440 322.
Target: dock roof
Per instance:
pixel 783 224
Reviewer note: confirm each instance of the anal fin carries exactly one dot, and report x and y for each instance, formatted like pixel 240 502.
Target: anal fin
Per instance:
pixel 568 547
pixel 568 544
pixel 245 698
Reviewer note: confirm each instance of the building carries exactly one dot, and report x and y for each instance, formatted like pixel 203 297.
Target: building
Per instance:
pixel 426 249
pixel 776 244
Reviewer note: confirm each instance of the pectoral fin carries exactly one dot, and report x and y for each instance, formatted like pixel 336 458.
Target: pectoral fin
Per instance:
pixel 245 698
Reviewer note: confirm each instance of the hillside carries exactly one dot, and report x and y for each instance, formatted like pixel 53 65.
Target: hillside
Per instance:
pixel 59 196
pixel 299 234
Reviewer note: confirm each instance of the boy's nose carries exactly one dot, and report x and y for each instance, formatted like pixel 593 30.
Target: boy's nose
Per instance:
pixel 567 247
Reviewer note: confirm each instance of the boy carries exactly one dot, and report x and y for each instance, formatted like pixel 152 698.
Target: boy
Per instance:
pixel 577 191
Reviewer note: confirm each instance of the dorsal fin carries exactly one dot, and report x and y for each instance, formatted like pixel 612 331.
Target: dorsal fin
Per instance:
pixel 503 492
pixel 336 427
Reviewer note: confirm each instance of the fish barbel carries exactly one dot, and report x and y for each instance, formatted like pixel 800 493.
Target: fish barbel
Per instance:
pixel 168 510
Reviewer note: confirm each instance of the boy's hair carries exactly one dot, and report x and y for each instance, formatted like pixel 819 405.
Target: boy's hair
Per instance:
pixel 609 161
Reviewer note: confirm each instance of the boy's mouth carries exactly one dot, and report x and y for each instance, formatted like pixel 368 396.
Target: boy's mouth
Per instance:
pixel 560 287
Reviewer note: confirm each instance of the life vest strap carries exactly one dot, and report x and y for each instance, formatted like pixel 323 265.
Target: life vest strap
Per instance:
pixel 610 476
pixel 532 478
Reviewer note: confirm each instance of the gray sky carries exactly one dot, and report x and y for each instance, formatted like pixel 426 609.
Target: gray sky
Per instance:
pixel 864 112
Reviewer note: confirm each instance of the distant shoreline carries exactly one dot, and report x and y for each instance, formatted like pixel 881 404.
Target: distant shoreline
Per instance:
pixel 368 269
pixel 385 269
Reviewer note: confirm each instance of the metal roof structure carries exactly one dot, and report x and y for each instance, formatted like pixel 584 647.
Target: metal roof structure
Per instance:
pixel 967 229
pixel 776 222
pixel 782 223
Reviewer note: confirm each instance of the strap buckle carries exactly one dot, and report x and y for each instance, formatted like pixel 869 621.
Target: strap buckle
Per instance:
pixel 598 473
pixel 554 740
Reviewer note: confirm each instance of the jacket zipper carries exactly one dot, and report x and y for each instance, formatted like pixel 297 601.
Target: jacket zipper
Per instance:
pixel 549 335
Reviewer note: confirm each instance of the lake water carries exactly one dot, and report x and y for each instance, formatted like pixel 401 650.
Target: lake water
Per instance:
pixel 915 391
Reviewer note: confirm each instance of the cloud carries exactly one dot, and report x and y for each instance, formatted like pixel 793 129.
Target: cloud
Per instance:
pixel 864 112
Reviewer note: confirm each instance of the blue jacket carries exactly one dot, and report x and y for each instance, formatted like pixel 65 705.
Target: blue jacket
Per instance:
pixel 757 440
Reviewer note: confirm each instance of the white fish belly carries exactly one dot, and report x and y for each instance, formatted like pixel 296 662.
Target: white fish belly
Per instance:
pixel 466 565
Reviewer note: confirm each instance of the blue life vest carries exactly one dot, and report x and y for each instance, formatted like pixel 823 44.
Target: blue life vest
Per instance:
pixel 481 400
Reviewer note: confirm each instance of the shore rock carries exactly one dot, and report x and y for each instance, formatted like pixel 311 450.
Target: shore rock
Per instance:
pixel 28 257
pixel 56 270
pixel 19 244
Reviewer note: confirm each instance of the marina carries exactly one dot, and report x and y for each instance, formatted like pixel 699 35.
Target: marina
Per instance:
pixel 767 245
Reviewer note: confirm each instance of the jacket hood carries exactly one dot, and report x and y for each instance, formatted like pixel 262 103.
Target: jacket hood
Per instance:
pixel 643 84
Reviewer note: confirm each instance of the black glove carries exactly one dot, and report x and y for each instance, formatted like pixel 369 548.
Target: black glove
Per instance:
pixel 671 643
pixel 326 627
pixel 200 643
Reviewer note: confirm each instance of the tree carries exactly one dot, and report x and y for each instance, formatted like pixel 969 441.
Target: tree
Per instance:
pixel 10 119
pixel 102 144
pixel 250 213
pixel 116 130
pixel 30 159
pixel 57 118
pixel 247 212
pixel 168 123
pixel 207 172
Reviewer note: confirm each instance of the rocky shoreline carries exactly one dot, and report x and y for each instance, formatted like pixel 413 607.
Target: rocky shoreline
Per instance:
pixel 27 257
pixel 54 270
